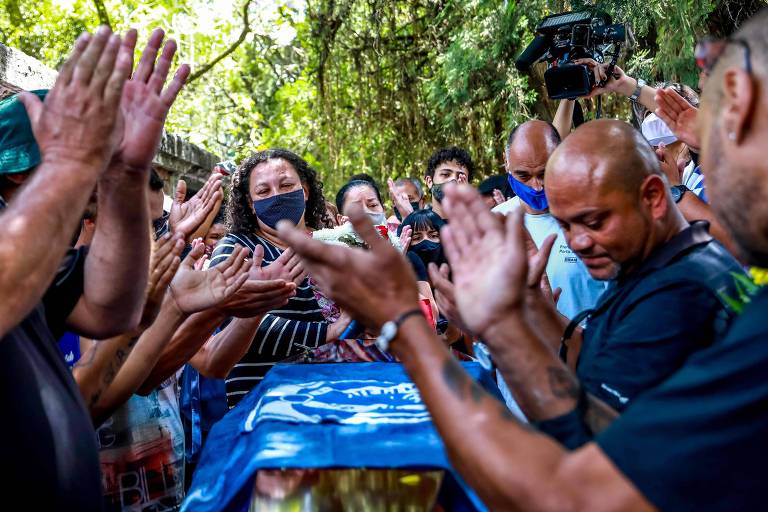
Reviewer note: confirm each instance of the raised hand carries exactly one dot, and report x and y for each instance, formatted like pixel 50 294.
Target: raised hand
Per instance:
pixel 287 266
pixel 374 286
pixel 145 104
pixel 488 258
pixel 190 218
pixel 197 290
pixel 498 197
pixel 399 199
pixel 79 120
pixel 679 115
pixel 445 295
pixel 163 265
pixel 405 238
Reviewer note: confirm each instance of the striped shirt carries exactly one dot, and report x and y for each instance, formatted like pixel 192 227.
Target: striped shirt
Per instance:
pixel 282 332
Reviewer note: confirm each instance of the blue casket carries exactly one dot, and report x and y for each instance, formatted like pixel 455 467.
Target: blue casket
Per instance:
pixel 307 417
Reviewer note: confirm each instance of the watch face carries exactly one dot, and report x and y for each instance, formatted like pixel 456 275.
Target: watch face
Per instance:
pixel 388 330
pixel 676 194
pixel 483 355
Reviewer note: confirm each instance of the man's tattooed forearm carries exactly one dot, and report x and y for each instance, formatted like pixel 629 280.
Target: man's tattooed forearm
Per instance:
pixel 599 415
pixel 563 383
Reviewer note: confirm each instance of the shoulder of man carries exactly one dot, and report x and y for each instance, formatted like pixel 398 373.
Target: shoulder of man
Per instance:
pixel 711 409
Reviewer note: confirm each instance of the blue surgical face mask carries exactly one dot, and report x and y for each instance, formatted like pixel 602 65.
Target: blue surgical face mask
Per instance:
pixel 536 199
pixel 289 206
pixel 429 252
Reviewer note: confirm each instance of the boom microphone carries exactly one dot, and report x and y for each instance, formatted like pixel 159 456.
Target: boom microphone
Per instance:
pixel 532 53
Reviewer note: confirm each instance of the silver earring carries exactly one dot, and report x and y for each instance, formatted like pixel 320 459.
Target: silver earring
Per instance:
pixel 732 135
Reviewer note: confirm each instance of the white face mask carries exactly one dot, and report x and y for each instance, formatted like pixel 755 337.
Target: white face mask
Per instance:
pixel 378 219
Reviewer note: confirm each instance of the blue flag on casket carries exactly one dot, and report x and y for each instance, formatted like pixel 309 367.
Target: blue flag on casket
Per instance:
pixel 353 415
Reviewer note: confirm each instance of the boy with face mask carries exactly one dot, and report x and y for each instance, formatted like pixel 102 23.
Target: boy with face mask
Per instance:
pixel 446 168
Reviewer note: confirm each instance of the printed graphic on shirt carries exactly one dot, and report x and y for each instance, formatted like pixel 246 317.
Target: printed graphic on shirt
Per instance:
pixel 142 453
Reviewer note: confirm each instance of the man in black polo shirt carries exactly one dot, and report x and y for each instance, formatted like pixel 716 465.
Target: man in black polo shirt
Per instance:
pixel 668 296
pixel 694 442
pixel 55 147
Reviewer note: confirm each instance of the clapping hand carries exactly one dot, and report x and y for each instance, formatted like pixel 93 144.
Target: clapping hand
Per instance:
pixel 196 290
pixel 79 121
pixel 445 295
pixel 679 115
pixel 261 293
pixel 399 200
pixel 163 265
pixel 405 238
pixel 145 104
pixel 374 286
pixel 488 257
pixel 287 266
pixel 190 218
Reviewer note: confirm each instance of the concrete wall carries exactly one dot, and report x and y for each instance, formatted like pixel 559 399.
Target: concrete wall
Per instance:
pixel 176 158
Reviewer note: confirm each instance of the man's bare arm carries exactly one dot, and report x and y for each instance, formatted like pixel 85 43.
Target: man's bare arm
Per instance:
pixel 139 362
pixel 117 265
pixel 74 129
pixel 510 466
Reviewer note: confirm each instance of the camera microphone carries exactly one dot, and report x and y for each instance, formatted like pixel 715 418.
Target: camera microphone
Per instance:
pixel 532 52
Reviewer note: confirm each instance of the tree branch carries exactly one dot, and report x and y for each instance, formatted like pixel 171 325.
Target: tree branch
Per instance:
pixel 243 33
pixel 101 10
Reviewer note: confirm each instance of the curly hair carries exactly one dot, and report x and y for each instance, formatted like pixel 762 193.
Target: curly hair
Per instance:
pixel 240 215
pixel 451 154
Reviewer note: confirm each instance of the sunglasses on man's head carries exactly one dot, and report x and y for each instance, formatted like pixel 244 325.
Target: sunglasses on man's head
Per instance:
pixel 709 50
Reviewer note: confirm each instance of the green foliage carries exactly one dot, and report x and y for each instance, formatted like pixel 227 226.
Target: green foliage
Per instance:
pixel 367 85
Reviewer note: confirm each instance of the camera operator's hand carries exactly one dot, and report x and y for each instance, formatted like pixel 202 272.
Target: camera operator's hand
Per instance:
pixel 619 81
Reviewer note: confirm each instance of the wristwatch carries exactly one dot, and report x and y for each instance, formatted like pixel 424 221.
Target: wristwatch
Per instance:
pixel 389 330
pixel 678 191
pixel 636 95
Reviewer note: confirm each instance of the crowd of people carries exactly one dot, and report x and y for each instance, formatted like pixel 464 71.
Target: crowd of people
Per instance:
pixel 602 278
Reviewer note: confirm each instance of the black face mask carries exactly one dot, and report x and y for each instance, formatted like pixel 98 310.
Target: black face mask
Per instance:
pixel 415 207
pixel 429 252
pixel 437 191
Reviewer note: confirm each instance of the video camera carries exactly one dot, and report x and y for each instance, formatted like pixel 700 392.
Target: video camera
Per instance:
pixel 568 36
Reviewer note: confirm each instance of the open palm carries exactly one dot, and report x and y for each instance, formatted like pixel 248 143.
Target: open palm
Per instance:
pixel 145 105
pixel 680 116
pixel 488 259
pixel 196 290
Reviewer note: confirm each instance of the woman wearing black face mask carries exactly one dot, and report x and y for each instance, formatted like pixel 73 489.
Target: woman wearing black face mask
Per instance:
pixel 268 187
pixel 425 239
pixel 426 248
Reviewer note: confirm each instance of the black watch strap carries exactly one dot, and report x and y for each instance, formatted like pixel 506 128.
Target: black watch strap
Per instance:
pixel 678 191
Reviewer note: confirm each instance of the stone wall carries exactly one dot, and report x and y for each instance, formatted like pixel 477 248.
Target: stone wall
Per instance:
pixel 176 158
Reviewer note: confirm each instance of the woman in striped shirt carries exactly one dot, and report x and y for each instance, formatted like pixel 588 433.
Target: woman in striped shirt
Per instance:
pixel 268 187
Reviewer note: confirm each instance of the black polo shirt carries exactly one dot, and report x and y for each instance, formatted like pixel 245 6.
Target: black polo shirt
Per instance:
pixel 699 440
pixel 647 323
pixel 48 441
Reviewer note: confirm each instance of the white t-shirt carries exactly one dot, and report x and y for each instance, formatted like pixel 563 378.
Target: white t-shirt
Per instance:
pixel 564 269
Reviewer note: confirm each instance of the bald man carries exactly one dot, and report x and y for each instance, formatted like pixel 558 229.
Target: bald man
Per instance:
pixel 668 297
pixel 529 146
pixel 694 442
